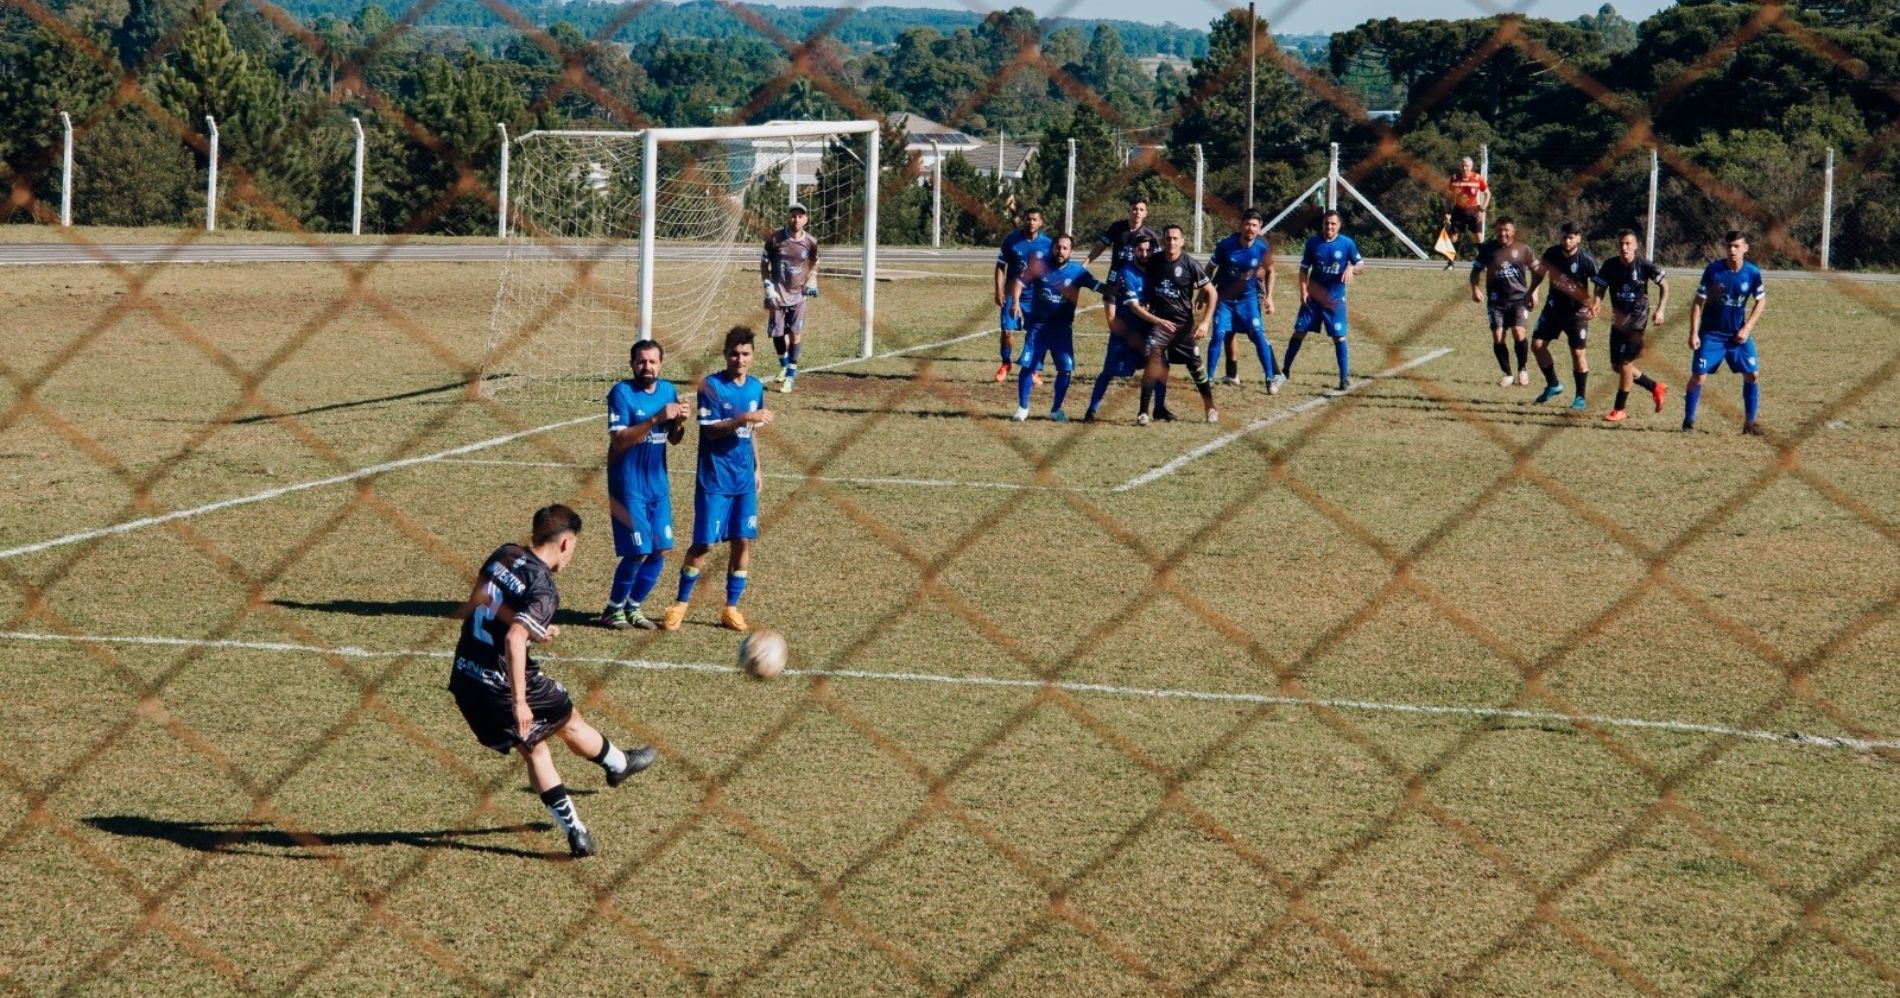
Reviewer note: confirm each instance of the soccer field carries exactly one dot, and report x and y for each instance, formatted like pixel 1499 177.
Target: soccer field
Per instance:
pixel 1420 686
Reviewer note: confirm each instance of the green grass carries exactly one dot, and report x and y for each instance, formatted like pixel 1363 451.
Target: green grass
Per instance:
pixel 202 818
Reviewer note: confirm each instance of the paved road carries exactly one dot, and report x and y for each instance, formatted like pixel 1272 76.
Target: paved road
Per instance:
pixel 67 254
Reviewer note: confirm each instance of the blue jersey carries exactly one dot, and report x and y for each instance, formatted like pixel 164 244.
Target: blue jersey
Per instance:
pixel 640 470
pixel 1325 262
pixel 1725 296
pixel 1020 252
pixel 1052 293
pixel 727 464
pixel 1236 266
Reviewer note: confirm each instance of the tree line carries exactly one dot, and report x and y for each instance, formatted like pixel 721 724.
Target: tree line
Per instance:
pixel 1745 131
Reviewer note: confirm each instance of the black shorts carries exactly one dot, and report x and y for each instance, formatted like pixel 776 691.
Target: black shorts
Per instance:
pixel 1508 314
pixel 1463 221
pixel 1633 321
pixel 489 706
pixel 1575 326
pixel 1625 345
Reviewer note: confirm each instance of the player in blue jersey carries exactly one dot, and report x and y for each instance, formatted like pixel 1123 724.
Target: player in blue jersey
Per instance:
pixel 1243 289
pixel 1127 333
pixel 1728 305
pixel 1047 306
pixel 644 414
pixel 731 405
pixel 1327 267
pixel 1021 248
pixel 508 702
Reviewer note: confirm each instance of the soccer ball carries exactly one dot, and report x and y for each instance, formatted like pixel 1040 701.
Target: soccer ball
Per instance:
pixel 762 654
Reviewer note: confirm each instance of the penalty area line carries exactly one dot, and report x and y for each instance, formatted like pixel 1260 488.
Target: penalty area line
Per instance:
pixel 284 490
pixel 1155 474
pixel 896 353
pixel 1794 738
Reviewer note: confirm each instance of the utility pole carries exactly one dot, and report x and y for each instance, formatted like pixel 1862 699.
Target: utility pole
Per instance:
pixel 1253 56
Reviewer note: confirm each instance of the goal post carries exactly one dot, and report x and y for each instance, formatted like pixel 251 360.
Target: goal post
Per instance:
pixel 615 236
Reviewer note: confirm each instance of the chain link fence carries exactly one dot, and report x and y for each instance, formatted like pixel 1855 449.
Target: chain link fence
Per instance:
pixel 1780 200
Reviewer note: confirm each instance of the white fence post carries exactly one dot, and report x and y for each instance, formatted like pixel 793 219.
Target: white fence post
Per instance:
pixel 1649 237
pixel 356 189
pixel 501 220
pixel 936 193
pixel 1068 200
pixel 1332 180
pixel 1001 137
pixel 1827 213
pixel 211 183
pixel 1200 192
pixel 1484 172
pixel 872 140
pixel 66 173
pixel 791 173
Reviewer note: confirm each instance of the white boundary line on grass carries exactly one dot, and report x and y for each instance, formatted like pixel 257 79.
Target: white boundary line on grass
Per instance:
pixel 1362 706
pixel 284 490
pixel 928 483
pixel 896 353
pixel 1155 474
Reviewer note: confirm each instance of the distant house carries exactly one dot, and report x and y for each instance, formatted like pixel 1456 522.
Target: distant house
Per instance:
pixel 794 162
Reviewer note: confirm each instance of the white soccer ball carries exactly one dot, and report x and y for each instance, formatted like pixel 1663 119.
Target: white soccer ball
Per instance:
pixel 762 654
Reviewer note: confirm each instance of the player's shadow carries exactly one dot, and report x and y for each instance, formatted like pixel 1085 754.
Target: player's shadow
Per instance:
pixel 359 403
pixel 411 608
pixel 257 838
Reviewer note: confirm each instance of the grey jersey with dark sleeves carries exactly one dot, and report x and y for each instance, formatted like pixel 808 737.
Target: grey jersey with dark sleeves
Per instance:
pixel 792 263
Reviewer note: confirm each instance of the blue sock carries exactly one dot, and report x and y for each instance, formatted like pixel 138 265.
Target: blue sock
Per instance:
pixel 1292 351
pixel 1062 389
pixel 689 577
pixel 1341 351
pixel 791 361
pixel 1691 399
pixel 1161 397
pixel 1100 389
pixel 735 587
pixel 1266 355
pixel 623 580
pixel 1002 348
pixel 1023 384
pixel 1214 350
pixel 647 577
pixel 1751 399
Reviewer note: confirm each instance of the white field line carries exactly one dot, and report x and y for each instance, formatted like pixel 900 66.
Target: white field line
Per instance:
pixel 284 490
pixel 923 483
pixel 1361 706
pixel 1154 474
pixel 896 353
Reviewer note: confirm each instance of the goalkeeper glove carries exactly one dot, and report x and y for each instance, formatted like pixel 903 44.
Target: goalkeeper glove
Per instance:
pixel 811 290
pixel 772 299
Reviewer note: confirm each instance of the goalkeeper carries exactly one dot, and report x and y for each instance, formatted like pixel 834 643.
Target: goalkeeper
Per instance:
pixel 789 269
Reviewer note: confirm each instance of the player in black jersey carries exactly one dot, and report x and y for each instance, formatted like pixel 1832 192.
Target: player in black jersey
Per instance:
pixel 1172 285
pixel 1120 238
pixel 1505 266
pixel 508 701
pixel 1573 302
pixel 1627 278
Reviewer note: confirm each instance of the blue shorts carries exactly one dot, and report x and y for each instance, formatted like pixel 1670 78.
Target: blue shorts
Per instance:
pixel 1005 321
pixel 1717 350
pixel 1122 360
pixel 1237 315
pixel 1047 338
pixel 649 526
pixel 718 517
pixel 1332 318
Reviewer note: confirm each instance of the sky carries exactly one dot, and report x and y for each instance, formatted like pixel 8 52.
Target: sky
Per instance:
pixel 1290 16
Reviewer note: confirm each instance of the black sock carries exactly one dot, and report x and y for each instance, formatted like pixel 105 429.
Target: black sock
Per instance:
pixel 1583 378
pixel 1147 396
pixel 1504 357
pixel 562 807
pixel 1622 399
pixel 1292 351
pixel 1550 373
pixel 1645 382
pixel 1523 354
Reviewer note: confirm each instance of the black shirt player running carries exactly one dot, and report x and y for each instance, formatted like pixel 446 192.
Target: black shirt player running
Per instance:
pixel 1572 273
pixel 1506 266
pixel 508 701
pixel 1626 278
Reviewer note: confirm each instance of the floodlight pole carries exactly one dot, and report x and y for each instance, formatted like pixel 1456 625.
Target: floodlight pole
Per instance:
pixel 1068 200
pixel 1200 187
pixel 211 182
pixel 1253 56
pixel 1484 173
pixel 1827 211
pixel 1332 180
pixel 356 188
pixel 791 171
pixel 936 193
pixel 872 140
pixel 66 172
pixel 649 179
pixel 501 220
pixel 1649 235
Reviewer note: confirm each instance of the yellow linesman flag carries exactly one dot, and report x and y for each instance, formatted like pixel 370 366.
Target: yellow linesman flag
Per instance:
pixel 1444 245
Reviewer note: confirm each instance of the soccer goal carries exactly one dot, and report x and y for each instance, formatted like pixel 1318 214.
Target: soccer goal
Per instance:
pixel 655 234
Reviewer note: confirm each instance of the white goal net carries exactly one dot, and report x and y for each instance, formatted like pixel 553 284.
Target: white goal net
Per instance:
pixel 618 236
